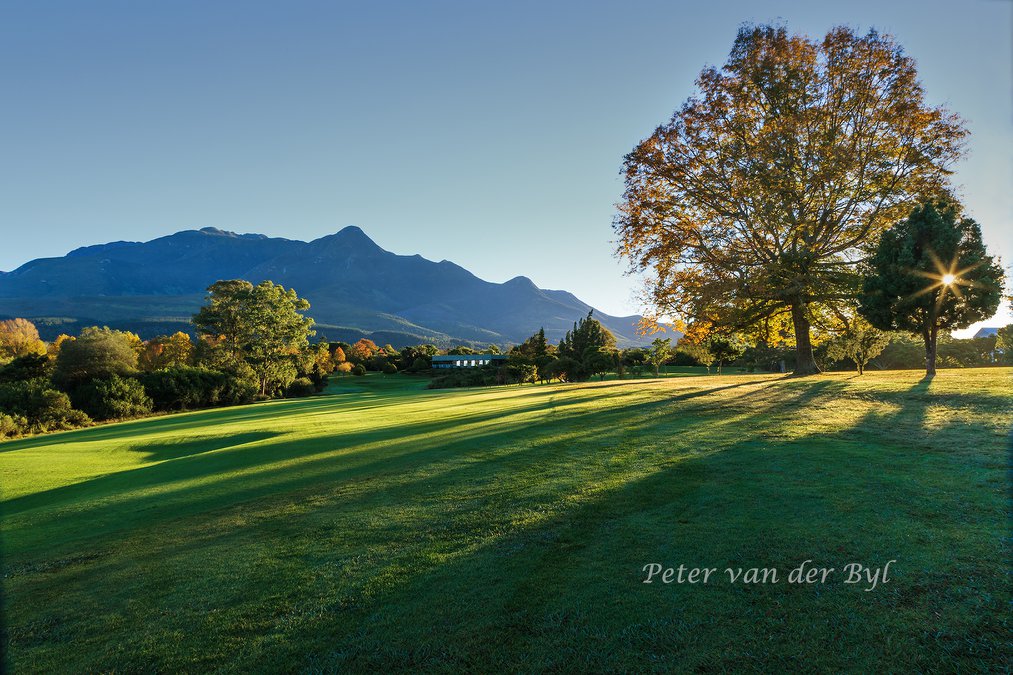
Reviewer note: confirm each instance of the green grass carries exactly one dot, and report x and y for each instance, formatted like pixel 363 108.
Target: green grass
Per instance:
pixel 381 526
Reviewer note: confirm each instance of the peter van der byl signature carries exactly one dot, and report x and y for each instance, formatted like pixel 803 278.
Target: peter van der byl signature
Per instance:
pixel 805 573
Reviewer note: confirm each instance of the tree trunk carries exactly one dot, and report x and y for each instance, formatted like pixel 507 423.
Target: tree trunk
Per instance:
pixel 805 364
pixel 930 349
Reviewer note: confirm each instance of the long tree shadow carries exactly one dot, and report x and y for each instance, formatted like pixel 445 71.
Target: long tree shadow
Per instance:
pixel 540 550
pixel 178 487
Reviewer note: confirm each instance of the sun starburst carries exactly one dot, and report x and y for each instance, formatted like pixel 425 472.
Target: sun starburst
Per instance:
pixel 945 278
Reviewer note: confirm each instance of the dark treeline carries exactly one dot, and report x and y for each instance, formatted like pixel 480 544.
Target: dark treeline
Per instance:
pixel 254 343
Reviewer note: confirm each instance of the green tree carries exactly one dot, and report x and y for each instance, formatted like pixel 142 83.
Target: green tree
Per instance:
pixel 258 325
pixel 583 347
pixel 659 352
pixel 633 359
pixel 756 200
pixel 860 342
pixel 535 351
pixel 724 349
pixel 1004 343
pixel 929 273
pixel 97 353
pixel 699 351
pixel 113 398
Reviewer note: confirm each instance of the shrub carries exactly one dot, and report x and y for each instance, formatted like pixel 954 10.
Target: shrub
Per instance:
pixel 344 368
pixel 188 388
pixel 377 362
pixel 28 367
pixel 301 386
pixel 358 370
pixel 113 398
pixel 466 377
pixel 12 425
pixel 516 373
pixel 36 407
pixel 98 353
pixel 389 369
pixel 421 364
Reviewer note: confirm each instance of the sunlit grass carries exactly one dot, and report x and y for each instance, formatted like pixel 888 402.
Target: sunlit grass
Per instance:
pixel 384 526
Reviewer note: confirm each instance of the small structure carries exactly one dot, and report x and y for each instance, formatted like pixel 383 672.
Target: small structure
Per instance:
pixel 986 331
pixel 468 360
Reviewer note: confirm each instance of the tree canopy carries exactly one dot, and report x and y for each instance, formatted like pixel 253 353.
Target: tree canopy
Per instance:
pixel 761 193
pixel 97 353
pixel 931 272
pixel 585 350
pixel 19 337
pixel 260 325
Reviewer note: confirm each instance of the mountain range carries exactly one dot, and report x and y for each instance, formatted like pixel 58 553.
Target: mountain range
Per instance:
pixel 355 288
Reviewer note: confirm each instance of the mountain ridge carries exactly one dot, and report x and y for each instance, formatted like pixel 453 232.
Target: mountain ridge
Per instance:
pixel 354 287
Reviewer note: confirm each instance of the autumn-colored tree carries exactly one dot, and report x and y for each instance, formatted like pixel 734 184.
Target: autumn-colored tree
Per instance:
pixel 931 272
pixel 166 352
pixel 338 356
pixel 53 348
pixel 362 351
pixel 761 193
pixel 19 337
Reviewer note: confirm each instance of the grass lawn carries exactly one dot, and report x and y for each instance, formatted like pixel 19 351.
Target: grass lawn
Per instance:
pixel 382 526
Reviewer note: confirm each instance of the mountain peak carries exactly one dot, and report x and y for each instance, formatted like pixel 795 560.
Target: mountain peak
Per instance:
pixel 352 234
pixel 349 239
pixel 521 282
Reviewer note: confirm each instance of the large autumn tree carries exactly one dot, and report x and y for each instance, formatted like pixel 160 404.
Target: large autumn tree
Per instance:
pixel 761 194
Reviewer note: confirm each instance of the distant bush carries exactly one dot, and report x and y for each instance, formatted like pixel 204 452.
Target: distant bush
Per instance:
pixel 420 364
pixel 98 353
pixel 33 406
pixel 301 386
pixel 481 376
pixel 190 388
pixel 389 369
pixel 516 373
pixel 113 398
pixel 684 358
pixel 344 368
pixel 358 370
pixel 28 367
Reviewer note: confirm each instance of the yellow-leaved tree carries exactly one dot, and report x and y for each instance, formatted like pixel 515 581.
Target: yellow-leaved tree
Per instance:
pixel 766 188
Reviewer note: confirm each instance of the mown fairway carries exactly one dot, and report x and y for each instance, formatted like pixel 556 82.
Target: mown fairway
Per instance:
pixel 383 526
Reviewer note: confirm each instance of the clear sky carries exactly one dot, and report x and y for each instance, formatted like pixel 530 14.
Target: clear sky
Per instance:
pixel 487 133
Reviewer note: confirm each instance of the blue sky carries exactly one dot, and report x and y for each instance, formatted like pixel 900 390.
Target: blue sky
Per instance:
pixel 490 134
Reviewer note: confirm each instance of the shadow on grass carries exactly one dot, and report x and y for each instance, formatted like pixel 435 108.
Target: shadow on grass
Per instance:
pixel 224 474
pixel 158 452
pixel 516 541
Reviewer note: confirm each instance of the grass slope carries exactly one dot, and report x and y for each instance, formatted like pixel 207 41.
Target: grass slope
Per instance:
pixel 383 526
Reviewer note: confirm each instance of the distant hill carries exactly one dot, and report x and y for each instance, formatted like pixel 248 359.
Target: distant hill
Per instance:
pixel 355 288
